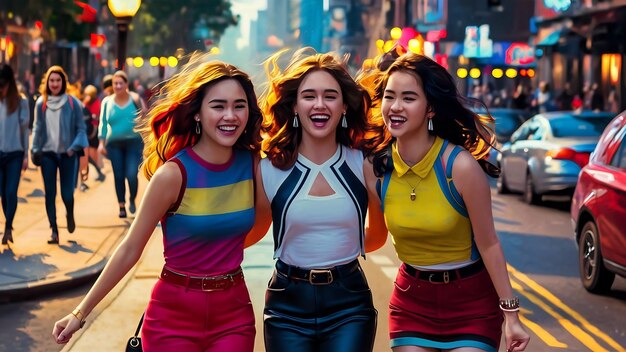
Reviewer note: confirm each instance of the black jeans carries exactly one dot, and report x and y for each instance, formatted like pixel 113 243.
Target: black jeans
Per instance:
pixel 10 173
pixel 320 316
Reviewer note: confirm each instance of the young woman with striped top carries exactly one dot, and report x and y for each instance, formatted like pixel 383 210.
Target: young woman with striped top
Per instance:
pixel 200 155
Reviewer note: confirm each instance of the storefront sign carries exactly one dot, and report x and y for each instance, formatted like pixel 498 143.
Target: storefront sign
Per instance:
pixel 519 54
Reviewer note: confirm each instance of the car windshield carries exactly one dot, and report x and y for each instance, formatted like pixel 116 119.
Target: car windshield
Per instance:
pixel 507 123
pixel 575 126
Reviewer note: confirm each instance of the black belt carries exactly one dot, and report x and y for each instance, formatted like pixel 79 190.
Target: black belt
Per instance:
pixel 445 276
pixel 317 276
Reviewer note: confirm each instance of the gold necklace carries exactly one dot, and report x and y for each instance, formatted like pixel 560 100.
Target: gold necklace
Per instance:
pixel 413 196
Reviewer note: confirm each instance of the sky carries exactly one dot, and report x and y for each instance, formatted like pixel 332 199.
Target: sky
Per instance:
pixel 247 9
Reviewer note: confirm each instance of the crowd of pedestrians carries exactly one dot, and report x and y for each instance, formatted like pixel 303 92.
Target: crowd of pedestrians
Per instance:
pixel 544 98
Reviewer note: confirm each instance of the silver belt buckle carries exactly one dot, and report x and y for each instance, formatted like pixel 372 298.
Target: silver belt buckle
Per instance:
pixel 329 276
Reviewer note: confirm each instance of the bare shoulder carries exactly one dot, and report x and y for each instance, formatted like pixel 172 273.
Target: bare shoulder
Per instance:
pixel 167 178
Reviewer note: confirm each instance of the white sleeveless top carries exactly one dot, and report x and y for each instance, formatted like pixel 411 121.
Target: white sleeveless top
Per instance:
pixel 317 232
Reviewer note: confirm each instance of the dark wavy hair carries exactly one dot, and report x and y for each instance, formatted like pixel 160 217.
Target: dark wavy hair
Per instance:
pixel 452 119
pixel 170 125
pixel 13 96
pixel 280 96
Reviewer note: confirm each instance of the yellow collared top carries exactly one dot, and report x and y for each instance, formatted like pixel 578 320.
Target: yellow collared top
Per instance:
pixel 428 230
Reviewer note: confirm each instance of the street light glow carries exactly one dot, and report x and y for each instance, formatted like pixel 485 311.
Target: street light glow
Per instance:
pixel 461 72
pixel 172 61
pixel 154 61
pixel 124 8
pixel 474 73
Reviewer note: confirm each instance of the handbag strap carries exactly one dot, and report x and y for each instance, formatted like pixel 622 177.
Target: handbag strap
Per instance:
pixel 139 325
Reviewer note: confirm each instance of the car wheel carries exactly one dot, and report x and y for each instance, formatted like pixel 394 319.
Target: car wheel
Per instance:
pixel 501 184
pixel 530 196
pixel 594 276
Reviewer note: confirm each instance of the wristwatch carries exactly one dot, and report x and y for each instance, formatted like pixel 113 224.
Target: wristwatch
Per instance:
pixel 79 316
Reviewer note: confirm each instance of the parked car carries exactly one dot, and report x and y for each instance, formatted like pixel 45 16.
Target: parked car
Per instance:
pixel 599 210
pixel 546 153
pixel 506 122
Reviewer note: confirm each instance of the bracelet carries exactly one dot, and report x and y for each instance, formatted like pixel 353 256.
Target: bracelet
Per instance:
pixel 79 316
pixel 510 304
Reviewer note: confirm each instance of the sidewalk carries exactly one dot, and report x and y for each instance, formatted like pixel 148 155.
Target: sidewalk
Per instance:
pixel 31 267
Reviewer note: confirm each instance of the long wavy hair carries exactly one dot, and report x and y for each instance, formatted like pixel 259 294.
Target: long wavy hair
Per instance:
pixel 170 124
pixel 452 119
pixel 12 98
pixel 280 96
pixel 44 88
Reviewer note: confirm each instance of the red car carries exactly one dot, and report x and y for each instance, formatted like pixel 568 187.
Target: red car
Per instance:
pixel 599 210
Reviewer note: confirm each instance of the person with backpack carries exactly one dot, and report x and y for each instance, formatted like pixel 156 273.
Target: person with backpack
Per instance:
pixel 58 138
pixel 120 141
pixel 452 291
pixel 14 131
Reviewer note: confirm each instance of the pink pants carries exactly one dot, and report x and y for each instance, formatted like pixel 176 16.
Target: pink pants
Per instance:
pixel 180 319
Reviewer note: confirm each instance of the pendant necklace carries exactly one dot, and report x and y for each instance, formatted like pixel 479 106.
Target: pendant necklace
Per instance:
pixel 413 196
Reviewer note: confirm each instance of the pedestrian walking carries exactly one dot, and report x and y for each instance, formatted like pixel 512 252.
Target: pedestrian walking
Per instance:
pixel 119 140
pixel 201 151
pixel 58 139
pixel 14 131
pixel 314 179
pixel 452 289
pixel 93 104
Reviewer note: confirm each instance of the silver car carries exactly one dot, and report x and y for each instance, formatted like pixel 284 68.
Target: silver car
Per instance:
pixel 547 152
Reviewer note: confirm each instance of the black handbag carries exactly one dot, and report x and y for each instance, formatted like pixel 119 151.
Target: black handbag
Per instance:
pixel 134 343
pixel 36 157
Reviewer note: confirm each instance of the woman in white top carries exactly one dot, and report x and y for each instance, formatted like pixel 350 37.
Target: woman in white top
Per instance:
pixel 14 132
pixel 313 184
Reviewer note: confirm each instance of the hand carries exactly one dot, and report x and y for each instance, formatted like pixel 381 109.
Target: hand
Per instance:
pixel 101 149
pixel 70 153
pixel 65 328
pixel 516 337
pixel 25 164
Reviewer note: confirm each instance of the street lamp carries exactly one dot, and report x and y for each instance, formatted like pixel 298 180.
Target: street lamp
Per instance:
pixel 123 10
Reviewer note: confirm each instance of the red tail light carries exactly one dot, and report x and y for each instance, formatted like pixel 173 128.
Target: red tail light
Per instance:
pixel 580 158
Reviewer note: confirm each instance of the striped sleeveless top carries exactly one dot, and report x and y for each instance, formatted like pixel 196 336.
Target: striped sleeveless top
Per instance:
pixel 204 232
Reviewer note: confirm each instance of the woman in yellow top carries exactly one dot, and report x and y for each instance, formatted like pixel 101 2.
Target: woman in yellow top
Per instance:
pixel 452 289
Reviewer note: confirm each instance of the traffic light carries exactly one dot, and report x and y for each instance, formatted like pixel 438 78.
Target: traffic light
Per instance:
pixel 495 5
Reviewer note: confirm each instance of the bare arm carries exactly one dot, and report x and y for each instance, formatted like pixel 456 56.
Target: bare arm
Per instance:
pixel 262 209
pixel 375 227
pixel 161 193
pixel 471 182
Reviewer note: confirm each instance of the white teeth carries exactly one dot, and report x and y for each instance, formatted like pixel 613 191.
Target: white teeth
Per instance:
pixel 397 119
pixel 320 117
pixel 227 128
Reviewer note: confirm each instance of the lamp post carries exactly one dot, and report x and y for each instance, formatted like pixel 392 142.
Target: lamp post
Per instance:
pixel 123 10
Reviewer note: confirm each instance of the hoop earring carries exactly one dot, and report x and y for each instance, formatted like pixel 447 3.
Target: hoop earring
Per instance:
pixel 197 127
pixel 296 123
pixel 344 121
pixel 430 124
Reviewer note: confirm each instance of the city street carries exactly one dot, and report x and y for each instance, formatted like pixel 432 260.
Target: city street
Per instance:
pixel 541 82
pixel 537 241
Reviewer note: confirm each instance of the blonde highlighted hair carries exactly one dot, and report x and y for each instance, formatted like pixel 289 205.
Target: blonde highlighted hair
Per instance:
pixel 170 124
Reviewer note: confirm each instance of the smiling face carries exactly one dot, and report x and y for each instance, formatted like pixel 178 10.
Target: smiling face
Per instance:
pixel 404 106
pixel 319 105
pixel 224 114
pixel 119 85
pixel 55 83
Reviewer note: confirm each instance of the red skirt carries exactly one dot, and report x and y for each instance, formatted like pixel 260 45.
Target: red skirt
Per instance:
pixel 462 312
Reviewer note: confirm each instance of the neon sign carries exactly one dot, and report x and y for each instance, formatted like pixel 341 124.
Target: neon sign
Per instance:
pixel 558 5
pixel 519 54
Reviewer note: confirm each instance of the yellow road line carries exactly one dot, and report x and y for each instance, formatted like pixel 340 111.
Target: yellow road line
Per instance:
pixel 543 334
pixel 558 303
pixel 572 328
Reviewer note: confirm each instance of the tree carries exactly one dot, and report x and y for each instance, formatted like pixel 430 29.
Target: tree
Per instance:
pixel 163 26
